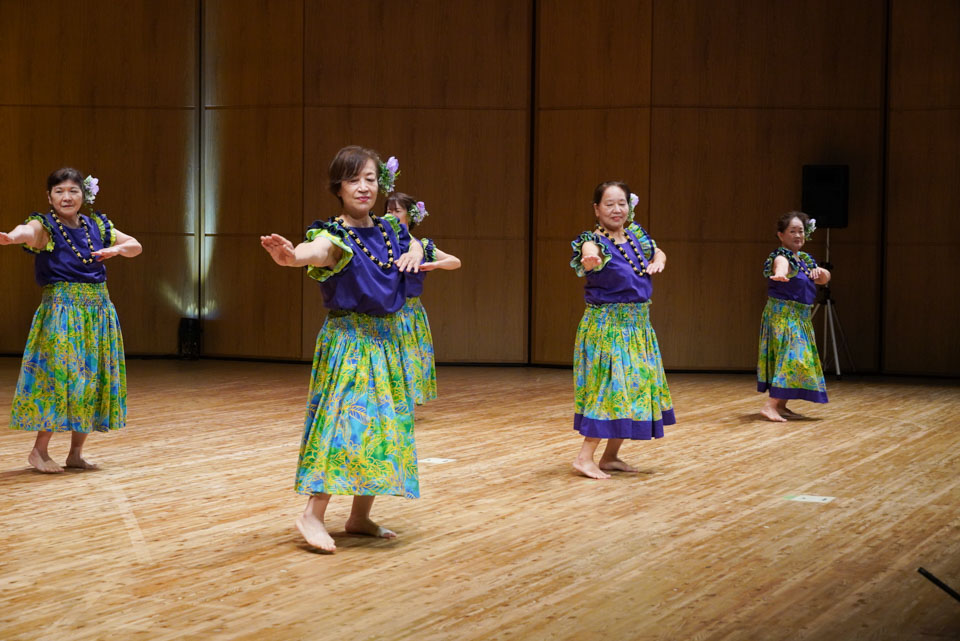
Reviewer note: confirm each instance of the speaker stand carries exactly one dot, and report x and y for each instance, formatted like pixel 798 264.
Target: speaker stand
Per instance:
pixel 831 322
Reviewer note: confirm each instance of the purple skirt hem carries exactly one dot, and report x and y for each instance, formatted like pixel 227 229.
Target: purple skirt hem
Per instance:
pixel 623 427
pixel 793 394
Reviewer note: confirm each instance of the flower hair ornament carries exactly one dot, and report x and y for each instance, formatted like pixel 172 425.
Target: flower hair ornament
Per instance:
pixel 388 174
pixel 91 187
pixel 634 200
pixel 809 228
pixel 417 212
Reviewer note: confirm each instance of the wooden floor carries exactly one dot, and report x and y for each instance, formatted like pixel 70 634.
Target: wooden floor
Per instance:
pixel 187 532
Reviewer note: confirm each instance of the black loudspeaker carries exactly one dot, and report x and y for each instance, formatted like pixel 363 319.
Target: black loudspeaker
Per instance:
pixel 826 189
pixel 189 335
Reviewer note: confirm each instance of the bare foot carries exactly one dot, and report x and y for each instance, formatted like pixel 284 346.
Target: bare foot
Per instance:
pixel 369 528
pixel 315 534
pixel 589 469
pixel 617 465
pixel 771 414
pixel 45 465
pixel 80 463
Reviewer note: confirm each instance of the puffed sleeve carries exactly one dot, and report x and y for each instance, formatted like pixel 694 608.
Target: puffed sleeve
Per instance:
pixel 46 226
pixel 108 233
pixel 577 245
pixel 647 245
pixel 336 235
pixel 768 264
pixel 429 250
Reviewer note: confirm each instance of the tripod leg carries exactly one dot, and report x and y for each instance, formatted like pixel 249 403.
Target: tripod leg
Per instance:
pixel 843 338
pixel 833 336
pixel 826 336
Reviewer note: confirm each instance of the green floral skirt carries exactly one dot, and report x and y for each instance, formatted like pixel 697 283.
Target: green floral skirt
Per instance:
pixel 73 377
pixel 789 366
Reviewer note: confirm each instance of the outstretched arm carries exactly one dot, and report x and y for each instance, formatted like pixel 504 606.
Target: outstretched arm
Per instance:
pixel 126 246
pixel 590 256
pixel 780 269
pixel 318 252
pixel 443 261
pixel 31 233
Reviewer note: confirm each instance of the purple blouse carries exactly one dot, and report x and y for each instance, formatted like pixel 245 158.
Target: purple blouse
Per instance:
pixel 356 283
pixel 799 288
pixel 57 262
pixel 615 281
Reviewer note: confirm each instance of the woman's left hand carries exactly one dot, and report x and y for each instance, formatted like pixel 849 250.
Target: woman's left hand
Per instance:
pixel 105 253
pixel 655 267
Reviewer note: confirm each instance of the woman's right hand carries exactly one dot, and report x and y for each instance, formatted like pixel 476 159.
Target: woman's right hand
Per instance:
pixel 280 249
pixel 590 262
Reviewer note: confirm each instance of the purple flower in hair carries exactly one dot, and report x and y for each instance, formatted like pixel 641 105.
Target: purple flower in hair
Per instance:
pixel 91 187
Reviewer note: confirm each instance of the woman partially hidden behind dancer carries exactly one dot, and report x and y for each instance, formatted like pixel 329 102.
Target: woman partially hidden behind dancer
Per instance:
pixel 358 435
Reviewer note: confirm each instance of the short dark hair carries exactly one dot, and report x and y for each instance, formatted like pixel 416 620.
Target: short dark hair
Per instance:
pixel 602 187
pixel 64 174
pixel 348 163
pixel 784 221
pixel 405 201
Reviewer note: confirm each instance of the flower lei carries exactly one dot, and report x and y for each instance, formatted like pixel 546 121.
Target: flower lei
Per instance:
pixel 417 212
pixel 634 201
pixel 809 228
pixel 388 174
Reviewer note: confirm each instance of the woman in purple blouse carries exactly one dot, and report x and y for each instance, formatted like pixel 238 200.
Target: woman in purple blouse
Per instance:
pixel 621 389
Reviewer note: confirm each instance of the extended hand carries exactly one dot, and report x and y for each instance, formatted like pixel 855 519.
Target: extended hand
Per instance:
pixel 280 250
pixel 655 267
pixel 105 253
pixel 5 239
pixel 410 262
pixel 780 277
pixel 590 262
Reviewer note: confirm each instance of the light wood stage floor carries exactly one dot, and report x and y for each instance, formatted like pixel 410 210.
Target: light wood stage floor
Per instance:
pixel 187 532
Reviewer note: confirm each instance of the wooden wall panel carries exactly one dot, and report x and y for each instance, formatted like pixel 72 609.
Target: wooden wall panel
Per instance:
pixel 253 52
pixel 253 164
pixel 922 300
pixel 594 54
pixel 153 291
pixel 578 149
pixel 557 304
pixel 429 53
pixel 98 52
pixel 925 54
pixel 792 53
pixel 469 166
pixel 252 306
pixel 20 292
pixel 727 173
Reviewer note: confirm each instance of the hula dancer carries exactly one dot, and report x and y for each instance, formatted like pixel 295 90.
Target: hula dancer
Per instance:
pixel 621 389
pixel 417 339
pixel 789 366
pixel 73 376
pixel 358 435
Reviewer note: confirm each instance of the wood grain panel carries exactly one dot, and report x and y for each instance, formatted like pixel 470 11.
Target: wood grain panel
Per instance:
pixel 144 158
pixel 478 313
pixel 924 163
pixel 924 50
pixel 153 291
pixel 98 52
pixel 728 173
pixel 20 292
pixel 794 53
pixel 253 170
pixel 922 307
pixel 577 150
pixel 253 52
pixel 470 167
pixel 593 54
pixel 557 304
pixel 429 53
pixel 251 305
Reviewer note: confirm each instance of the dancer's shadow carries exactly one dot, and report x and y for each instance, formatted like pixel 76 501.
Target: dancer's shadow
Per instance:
pixel 758 417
